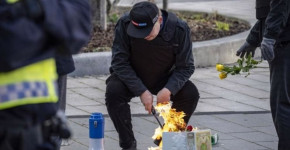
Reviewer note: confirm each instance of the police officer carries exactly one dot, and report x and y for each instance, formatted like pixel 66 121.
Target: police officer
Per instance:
pixel 151 54
pixel 30 33
pixel 275 48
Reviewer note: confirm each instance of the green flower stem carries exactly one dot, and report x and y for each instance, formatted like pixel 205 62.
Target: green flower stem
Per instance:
pixel 243 65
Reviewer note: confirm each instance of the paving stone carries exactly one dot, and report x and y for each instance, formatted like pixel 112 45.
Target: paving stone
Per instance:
pixel 80 121
pixel 255 136
pixel 75 146
pixel 93 108
pixel 108 144
pixel 230 105
pixel 220 125
pixel 91 93
pixel 83 141
pixel 101 100
pixel 204 95
pixel 103 77
pixel 94 82
pixel 79 100
pixel 72 111
pixel 267 129
pixel 272 145
pixel 137 108
pixel 74 83
pixel 245 120
pixel 237 87
pixel 78 131
pixel 251 83
pixel 216 147
pixel 226 94
pixel 204 107
pixel 112 135
pixel 263 104
pixel 222 136
pixel 69 91
pixel 144 126
pixel 238 144
pixel 261 78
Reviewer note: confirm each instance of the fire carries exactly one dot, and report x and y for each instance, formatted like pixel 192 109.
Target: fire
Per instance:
pixel 173 122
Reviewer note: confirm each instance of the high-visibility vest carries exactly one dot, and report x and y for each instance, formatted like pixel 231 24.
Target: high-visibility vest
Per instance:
pixel 33 84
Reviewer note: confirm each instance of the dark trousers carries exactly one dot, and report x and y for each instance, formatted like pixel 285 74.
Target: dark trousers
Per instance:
pixel 62 82
pixel 118 96
pixel 20 138
pixel 280 94
pixel 21 135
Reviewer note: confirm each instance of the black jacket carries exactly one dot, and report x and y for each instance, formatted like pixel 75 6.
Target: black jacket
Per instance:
pixel 175 32
pixel 64 63
pixel 276 25
pixel 24 40
pixel 64 27
pixel 278 21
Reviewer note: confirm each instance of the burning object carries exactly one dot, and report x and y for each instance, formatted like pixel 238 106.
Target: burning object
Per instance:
pixel 175 135
pixel 173 121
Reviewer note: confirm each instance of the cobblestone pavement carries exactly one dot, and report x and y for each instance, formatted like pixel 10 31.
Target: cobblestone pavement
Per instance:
pixel 237 108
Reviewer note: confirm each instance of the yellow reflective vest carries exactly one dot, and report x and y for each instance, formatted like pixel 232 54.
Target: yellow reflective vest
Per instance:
pixel 33 84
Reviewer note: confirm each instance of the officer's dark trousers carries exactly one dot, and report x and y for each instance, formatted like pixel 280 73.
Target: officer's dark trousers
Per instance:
pixel 20 137
pixel 118 96
pixel 62 82
pixel 280 94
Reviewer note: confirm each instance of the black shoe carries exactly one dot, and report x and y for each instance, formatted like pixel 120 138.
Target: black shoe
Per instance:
pixel 132 147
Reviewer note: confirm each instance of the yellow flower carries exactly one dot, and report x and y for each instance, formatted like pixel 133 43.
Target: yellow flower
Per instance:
pixel 219 67
pixel 222 75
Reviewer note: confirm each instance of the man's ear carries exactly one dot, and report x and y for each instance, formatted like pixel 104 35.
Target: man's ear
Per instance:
pixel 160 19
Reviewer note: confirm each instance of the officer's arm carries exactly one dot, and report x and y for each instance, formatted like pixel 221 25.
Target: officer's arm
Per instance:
pixel 120 60
pixel 254 36
pixel 184 66
pixel 68 22
pixel 277 18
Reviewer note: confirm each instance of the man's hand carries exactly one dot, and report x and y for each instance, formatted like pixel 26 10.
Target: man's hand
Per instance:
pixel 163 96
pixel 267 49
pixel 247 49
pixel 147 100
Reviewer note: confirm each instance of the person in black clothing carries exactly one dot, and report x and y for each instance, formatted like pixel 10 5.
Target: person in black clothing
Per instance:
pixel 31 32
pixel 272 33
pixel 151 54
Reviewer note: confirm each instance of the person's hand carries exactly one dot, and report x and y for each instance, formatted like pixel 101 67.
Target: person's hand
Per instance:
pixel 267 49
pixel 247 49
pixel 147 100
pixel 163 96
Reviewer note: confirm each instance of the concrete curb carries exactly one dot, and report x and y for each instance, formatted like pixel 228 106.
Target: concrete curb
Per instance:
pixel 97 63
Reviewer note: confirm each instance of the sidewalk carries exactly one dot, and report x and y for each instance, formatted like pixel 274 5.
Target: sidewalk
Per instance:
pixel 237 108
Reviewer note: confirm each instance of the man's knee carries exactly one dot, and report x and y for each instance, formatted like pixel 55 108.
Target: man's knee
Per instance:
pixel 189 92
pixel 116 90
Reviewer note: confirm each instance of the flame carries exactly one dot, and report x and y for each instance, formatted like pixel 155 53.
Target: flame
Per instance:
pixel 155 148
pixel 173 121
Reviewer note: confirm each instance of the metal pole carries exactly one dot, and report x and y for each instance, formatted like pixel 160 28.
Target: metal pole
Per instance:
pixel 165 4
pixel 103 14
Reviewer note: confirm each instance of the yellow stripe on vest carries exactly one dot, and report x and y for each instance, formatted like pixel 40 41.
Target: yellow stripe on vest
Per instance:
pixel 11 1
pixel 32 84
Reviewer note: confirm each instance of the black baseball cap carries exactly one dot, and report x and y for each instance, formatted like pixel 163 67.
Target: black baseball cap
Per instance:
pixel 143 16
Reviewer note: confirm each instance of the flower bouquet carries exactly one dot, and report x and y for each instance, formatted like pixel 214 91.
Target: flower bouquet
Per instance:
pixel 243 65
